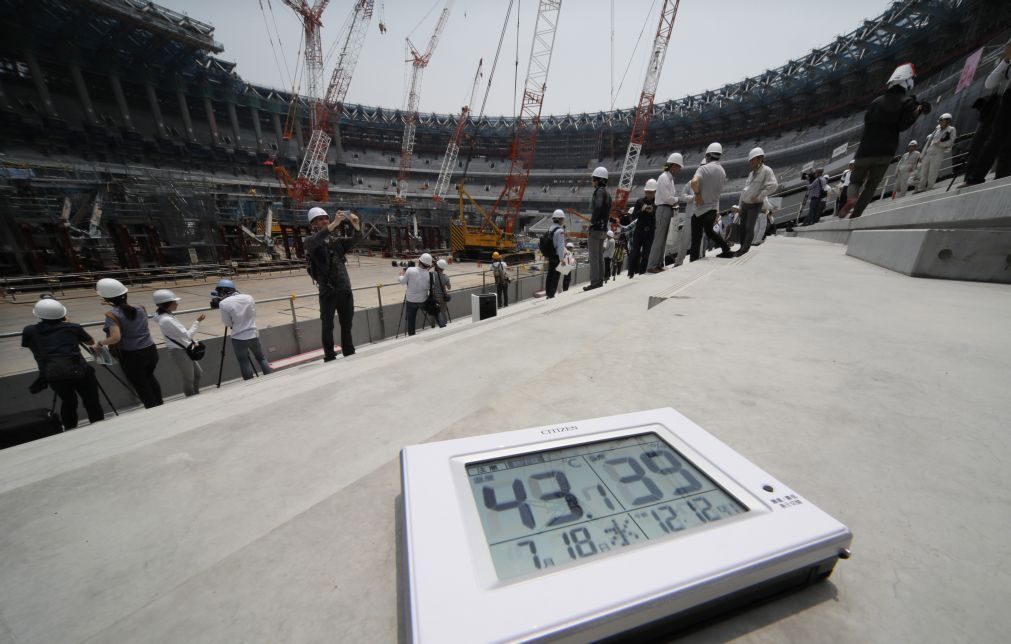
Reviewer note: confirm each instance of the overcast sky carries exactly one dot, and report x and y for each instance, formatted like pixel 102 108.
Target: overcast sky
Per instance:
pixel 714 42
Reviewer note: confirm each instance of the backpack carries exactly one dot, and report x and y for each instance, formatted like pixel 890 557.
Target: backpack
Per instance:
pixel 547 243
pixel 499 270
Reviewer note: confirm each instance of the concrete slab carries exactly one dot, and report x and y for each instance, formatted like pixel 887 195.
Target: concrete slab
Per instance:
pixel 264 511
pixel 976 255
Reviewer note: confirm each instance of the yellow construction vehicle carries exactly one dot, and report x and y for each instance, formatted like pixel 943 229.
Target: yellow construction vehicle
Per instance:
pixel 479 242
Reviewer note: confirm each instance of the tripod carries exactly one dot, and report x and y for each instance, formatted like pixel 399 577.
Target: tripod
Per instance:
pixel 100 387
pixel 221 363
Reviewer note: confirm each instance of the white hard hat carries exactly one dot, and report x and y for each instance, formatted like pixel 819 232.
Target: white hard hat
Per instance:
pixel 946 115
pixel 558 214
pixel 49 309
pixel 315 212
pixel 610 233
pixel 569 245
pixel 163 295
pixel 756 152
pixel 600 172
pixel 903 75
pixel 735 207
pixel 110 288
pixel 715 148
pixel 913 142
pixel 442 264
pixel 650 185
pixel 676 158
pixel 425 259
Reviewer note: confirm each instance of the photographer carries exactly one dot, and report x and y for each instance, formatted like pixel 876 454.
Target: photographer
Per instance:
pixel 327 253
pixel 238 311
pixel 54 344
pixel 418 281
pixel 886 117
pixel 644 216
pixel 178 338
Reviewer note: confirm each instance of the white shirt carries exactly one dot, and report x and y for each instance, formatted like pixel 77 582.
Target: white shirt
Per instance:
pixel 909 159
pixel 609 247
pixel 417 282
pixel 1000 77
pixel 711 178
pixel 239 312
pixel 665 190
pixel 846 177
pixel 759 185
pixel 935 139
pixel 173 329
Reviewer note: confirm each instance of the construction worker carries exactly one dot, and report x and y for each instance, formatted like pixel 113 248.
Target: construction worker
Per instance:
pixel 600 209
pixel 126 328
pixel 907 164
pixel 441 291
pixel 54 343
pixel 608 255
pixel 939 144
pixel 238 312
pixel 995 126
pixel 666 201
pixel 177 338
pixel 644 217
pixel 556 235
pixel 327 252
pixel 418 281
pixel 500 270
pixel 707 185
pixel 760 184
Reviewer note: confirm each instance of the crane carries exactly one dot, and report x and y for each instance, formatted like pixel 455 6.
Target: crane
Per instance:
pixel 453 149
pixel 645 109
pixel 419 61
pixel 464 240
pixel 313 176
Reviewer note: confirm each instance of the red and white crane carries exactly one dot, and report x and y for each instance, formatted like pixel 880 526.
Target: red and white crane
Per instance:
pixel 419 61
pixel 313 179
pixel 644 111
pixel 453 149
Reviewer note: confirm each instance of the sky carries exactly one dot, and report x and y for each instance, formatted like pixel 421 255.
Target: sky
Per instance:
pixel 714 42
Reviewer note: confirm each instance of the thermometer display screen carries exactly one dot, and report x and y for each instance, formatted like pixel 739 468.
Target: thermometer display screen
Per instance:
pixel 547 509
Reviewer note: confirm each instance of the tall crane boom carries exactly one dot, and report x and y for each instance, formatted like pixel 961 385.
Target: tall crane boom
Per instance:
pixel 419 62
pixel 525 140
pixel 352 37
pixel 644 111
pixel 453 149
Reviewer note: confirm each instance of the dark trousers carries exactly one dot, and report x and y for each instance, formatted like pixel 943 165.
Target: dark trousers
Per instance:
pixel 814 207
pixel 749 216
pixel 638 252
pixel 607 268
pixel 551 284
pixel 87 389
pixel 566 280
pixel 703 225
pixel 997 147
pixel 139 368
pixel 867 175
pixel 412 316
pixel 842 198
pixel 616 265
pixel 502 289
pixel 343 304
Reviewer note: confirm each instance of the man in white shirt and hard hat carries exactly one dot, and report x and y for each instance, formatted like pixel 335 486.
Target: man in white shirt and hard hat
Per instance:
pixel 707 185
pixel 760 184
pixel 939 145
pixel 666 201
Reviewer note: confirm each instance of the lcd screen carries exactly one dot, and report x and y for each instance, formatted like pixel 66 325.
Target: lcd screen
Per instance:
pixel 546 509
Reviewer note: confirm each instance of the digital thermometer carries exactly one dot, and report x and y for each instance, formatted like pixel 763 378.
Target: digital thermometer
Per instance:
pixel 597 528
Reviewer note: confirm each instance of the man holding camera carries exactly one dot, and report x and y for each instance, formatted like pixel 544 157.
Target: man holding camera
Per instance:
pixel 888 115
pixel 327 254
pixel 238 312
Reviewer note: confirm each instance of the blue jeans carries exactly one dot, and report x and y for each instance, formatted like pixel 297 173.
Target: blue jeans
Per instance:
pixel 412 316
pixel 813 212
pixel 242 350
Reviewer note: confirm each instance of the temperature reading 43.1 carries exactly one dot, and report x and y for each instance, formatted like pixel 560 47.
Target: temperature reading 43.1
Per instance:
pixel 555 507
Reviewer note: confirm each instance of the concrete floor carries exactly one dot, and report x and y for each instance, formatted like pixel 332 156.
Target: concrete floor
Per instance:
pixel 264 511
pixel 84 306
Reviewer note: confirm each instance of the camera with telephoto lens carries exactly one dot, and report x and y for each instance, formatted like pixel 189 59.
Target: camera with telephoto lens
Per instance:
pixel 215 299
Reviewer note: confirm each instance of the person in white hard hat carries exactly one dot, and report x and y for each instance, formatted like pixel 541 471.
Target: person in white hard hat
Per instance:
pixel 238 312
pixel 760 184
pixel 907 164
pixel 887 116
pixel 666 201
pixel 500 270
pixel 177 338
pixel 644 221
pixel 844 186
pixel 600 211
pixel 441 291
pixel 419 281
pixel 126 329
pixel 608 255
pixel 556 235
pixel 326 250
pixel 939 144
pixel 55 345
pixel 707 185
pixel 994 131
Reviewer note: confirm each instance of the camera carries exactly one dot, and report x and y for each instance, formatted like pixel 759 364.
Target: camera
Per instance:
pixel 924 106
pixel 215 300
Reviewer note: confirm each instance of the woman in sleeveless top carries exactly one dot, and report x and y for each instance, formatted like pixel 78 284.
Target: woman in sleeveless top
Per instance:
pixel 126 329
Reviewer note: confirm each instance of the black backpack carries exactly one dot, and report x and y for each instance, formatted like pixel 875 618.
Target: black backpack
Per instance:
pixel 547 243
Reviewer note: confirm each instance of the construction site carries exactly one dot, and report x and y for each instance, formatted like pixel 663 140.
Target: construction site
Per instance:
pixel 862 360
